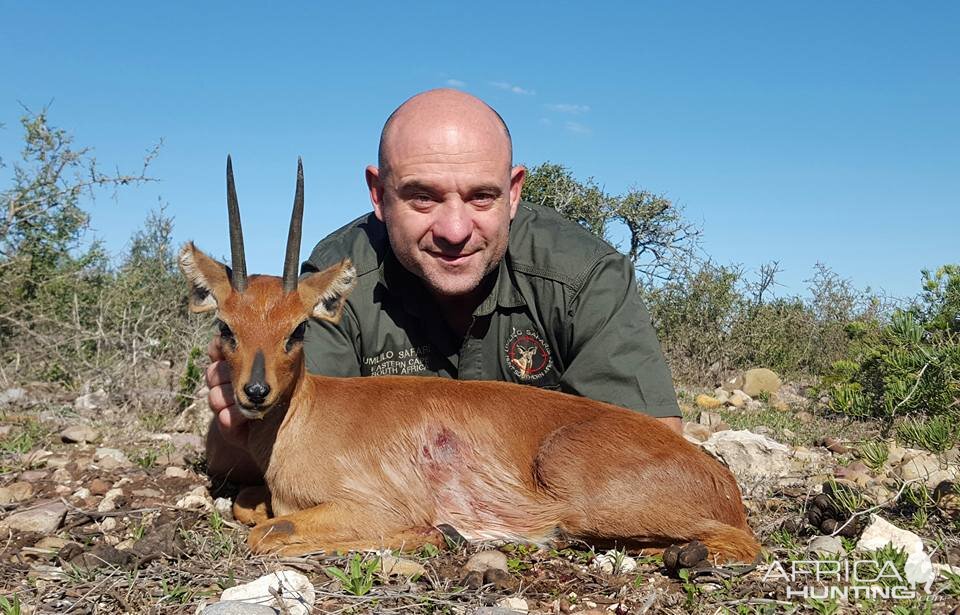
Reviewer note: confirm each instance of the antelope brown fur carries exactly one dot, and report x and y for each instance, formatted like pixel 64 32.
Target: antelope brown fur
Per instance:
pixel 353 463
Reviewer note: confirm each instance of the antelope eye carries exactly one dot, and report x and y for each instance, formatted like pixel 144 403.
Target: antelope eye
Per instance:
pixel 297 336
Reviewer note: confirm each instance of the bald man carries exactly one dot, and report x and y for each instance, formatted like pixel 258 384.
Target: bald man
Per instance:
pixel 457 278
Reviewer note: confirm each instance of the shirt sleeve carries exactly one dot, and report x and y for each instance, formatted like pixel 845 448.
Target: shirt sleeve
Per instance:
pixel 613 354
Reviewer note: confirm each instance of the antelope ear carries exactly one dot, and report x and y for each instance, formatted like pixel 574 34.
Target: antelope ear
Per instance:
pixel 209 279
pixel 324 293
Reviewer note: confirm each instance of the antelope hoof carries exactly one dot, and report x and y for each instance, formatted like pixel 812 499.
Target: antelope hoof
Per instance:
pixel 677 557
pixel 272 536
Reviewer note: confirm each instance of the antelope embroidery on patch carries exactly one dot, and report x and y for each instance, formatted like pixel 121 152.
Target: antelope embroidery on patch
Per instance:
pixel 527 355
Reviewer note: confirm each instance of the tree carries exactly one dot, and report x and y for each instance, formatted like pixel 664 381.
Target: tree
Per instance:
pixel 659 242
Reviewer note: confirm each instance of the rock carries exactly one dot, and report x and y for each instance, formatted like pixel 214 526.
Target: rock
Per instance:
pixel 516 604
pixel 896 454
pixel 947 497
pixel 16 492
pixel 52 543
pixel 110 458
pixel 175 472
pixel 296 592
pixel 879 533
pixel 391 566
pixel 62 476
pixel 484 560
pixel 98 486
pixel 734 383
pixel 13 397
pixel 91 402
pixel 739 399
pixel 235 607
pixel 81 494
pixel 146 493
pixel 44 518
pixel 761 380
pixel 696 433
pixel 803 417
pixel 111 500
pixel 225 507
pixel 834 445
pixel 103 555
pixel 825 545
pixel 952 456
pixel 721 394
pixel 922 466
pixel 32 476
pixel 5 430
pixel 197 499
pixel 708 403
pixel 709 419
pixel 614 562
pixel 79 434
pixel 757 458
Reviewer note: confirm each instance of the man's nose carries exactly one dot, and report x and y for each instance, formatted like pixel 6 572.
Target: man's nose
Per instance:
pixel 454 223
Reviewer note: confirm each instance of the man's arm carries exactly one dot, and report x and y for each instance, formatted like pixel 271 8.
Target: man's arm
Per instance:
pixel 613 353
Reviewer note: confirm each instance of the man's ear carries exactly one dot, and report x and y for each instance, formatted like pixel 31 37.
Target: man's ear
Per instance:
pixel 209 279
pixel 517 175
pixel 324 293
pixel 375 187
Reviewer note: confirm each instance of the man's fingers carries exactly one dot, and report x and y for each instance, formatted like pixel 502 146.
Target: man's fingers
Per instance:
pixel 233 426
pixel 221 397
pixel 213 349
pixel 217 373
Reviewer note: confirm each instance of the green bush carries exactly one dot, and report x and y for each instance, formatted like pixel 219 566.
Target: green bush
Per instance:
pixel 909 366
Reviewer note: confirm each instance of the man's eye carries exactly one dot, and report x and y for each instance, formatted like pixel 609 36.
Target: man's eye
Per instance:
pixel 297 336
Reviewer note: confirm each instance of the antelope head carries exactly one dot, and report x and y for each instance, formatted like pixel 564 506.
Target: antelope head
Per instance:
pixel 262 318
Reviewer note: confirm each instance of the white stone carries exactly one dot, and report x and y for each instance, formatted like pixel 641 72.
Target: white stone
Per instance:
pixel 197 499
pixel 918 568
pixel 296 592
pixel 391 566
pixel 607 562
pixel 755 458
pixel 109 501
pixel 79 434
pixel 91 401
pixel 484 560
pixel 516 604
pixel 175 472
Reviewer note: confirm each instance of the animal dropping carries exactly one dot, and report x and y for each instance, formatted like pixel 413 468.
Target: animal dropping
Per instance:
pixel 394 461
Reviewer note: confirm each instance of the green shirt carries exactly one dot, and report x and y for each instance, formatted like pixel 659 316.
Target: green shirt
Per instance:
pixel 563 314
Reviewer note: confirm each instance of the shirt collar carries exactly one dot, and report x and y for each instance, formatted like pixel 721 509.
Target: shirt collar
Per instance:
pixel 399 282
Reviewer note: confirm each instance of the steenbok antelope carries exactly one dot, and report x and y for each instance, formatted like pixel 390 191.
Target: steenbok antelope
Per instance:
pixel 353 463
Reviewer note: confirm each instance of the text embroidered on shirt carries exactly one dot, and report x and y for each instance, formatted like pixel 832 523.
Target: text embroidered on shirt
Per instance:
pixel 399 362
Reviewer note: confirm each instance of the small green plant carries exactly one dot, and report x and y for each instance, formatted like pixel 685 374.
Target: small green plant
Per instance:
pixel 764 397
pixel 147 459
pixel 823 607
pixel 429 550
pixel 357 577
pixel 846 499
pixel 936 434
pixel 874 454
pixel 174 592
pixel 10 606
pixel 953 583
pixel 689 587
pixel 190 379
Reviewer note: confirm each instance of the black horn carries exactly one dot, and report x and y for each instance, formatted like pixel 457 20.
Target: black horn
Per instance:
pixel 292 261
pixel 238 263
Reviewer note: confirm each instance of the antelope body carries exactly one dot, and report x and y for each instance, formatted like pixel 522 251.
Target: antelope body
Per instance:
pixel 355 463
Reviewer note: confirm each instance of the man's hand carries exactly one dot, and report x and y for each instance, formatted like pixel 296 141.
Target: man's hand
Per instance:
pixel 232 424
pixel 673 422
pixel 227 454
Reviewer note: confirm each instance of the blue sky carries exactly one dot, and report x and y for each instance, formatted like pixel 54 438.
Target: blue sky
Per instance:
pixel 798 132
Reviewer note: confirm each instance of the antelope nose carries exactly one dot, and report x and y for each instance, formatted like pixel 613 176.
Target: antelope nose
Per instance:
pixel 257 391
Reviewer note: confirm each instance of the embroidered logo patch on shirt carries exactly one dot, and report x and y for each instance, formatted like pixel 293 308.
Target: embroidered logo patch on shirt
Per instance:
pixel 527 355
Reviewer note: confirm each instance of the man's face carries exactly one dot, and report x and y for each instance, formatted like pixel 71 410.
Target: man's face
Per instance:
pixel 447 204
